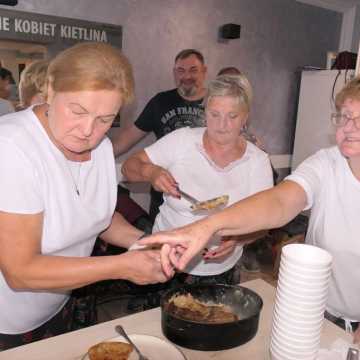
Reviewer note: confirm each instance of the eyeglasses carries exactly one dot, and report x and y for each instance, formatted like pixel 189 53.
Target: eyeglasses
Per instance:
pixel 340 120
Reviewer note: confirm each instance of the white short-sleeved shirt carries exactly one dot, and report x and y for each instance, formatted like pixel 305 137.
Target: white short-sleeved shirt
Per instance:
pixel 333 194
pixel 35 177
pixel 182 154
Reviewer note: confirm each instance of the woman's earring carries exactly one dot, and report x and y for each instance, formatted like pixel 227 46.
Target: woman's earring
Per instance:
pixel 244 129
pixel 47 111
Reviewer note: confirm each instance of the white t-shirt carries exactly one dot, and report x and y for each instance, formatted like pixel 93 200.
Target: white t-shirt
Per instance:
pixel 182 154
pixel 333 194
pixel 35 177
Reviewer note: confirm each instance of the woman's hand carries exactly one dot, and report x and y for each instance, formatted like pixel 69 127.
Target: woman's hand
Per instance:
pixel 143 267
pixel 163 181
pixel 139 167
pixel 181 244
pixel 226 247
pixel 356 338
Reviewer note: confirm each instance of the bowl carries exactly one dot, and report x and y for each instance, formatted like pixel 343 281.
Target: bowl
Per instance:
pixel 311 256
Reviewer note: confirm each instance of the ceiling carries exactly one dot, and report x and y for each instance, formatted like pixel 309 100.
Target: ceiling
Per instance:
pixel 337 5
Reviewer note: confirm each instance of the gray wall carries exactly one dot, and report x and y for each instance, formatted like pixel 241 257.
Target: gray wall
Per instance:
pixel 277 36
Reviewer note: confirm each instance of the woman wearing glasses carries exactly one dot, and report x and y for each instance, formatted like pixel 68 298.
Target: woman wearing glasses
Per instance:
pixel 328 183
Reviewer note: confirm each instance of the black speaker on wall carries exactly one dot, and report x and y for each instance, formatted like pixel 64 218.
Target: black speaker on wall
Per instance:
pixel 8 2
pixel 230 31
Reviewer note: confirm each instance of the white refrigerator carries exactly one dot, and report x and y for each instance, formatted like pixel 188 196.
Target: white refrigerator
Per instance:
pixel 314 130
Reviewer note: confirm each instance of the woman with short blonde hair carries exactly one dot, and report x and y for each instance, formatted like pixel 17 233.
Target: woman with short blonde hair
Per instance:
pixel 32 86
pixel 207 163
pixel 237 86
pixel 65 198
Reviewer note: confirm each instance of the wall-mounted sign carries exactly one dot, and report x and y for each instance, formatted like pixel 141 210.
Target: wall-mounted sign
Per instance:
pixel 55 33
pixel 23 26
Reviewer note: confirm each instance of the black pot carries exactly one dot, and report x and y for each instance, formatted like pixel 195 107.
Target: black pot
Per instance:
pixel 245 303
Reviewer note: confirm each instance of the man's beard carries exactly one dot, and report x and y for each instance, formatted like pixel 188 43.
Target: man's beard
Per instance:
pixel 187 91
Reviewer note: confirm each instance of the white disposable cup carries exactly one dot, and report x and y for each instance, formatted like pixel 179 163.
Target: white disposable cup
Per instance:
pixel 300 316
pixel 284 322
pixel 306 310
pixel 312 325
pixel 308 255
pixel 304 269
pixel 297 327
pixel 274 355
pixel 300 350
pixel 304 350
pixel 302 291
pixel 283 337
pixel 297 315
pixel 288 285
pixel 297 333
pixel 290 353
pixel 299 302
pixel 280 354
pixel 297 296
pixel 309 280
pixel 310 287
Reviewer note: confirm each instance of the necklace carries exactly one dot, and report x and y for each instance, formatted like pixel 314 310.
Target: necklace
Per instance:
pixel 74 167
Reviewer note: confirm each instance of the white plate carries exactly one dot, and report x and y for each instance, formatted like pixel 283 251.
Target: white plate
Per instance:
pixel 152 347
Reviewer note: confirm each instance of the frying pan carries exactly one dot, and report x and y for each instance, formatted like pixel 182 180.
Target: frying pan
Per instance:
pixel 245 303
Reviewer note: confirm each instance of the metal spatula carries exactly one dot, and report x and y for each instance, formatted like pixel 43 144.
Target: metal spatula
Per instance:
pixel 206 205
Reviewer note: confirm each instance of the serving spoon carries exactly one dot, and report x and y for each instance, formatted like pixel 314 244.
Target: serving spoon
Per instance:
pixel 119 329
pixel 211 204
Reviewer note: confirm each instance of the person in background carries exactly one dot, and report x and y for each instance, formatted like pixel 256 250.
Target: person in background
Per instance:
pixel 51 214
pixel 6 82
pixel 328 183
pixel 169 110
pixel 206 162
pixel 32 85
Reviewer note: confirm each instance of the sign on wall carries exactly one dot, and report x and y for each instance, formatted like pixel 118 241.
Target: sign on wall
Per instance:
pixel 38 28
pixel 56 33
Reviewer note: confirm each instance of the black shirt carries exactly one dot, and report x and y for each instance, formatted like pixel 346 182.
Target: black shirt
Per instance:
pixel 168 111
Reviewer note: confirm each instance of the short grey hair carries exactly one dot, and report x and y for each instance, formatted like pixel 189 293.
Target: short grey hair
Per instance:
pixel 236 86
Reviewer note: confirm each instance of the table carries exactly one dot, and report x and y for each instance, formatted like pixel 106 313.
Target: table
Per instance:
pixel 73 345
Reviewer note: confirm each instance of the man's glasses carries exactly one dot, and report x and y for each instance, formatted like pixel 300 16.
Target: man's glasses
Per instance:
pixel 340 120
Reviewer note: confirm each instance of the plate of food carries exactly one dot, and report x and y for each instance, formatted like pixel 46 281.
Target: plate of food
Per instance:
pixel 119 349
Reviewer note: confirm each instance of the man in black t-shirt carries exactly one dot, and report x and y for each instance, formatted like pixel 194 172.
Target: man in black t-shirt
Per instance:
pixel 169 110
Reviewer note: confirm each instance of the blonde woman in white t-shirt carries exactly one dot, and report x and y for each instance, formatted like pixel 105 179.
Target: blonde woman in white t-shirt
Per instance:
pixel 32 85
pixel 58 194
pixel 206 162
pixel 328 183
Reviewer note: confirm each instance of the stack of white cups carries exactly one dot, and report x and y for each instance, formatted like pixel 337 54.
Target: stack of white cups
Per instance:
pixel 300 302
